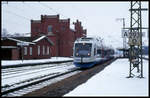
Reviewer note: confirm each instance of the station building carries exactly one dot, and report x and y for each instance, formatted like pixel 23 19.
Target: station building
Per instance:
pixel 59 31
pixel 50 36
pixel 17 48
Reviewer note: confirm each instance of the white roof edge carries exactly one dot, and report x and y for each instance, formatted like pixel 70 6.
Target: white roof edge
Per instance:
pixel 8 46
pixel 20 40
pixel 40 38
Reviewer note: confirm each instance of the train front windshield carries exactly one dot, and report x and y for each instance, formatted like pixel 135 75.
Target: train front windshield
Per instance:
pixel 83 49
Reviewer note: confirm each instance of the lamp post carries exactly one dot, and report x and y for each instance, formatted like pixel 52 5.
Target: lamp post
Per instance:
pixel 57 42
pixel 124 39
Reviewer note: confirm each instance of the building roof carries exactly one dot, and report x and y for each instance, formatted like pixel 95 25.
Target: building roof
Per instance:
pixel 36 21
pixel 9 47
pixel 38 39
pixel 64 20
pixel 20 40
pixel 42 37
pixel 50 16
pixel 28 40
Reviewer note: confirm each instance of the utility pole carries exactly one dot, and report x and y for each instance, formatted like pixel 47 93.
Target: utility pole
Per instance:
pixel 124 38
pixel 135 39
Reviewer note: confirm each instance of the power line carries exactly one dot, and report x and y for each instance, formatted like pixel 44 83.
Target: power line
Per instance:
pixel 35 9
pixel 14 22
pixel 29 7
pixel 17 15
pixel 18 8
pixel 50 8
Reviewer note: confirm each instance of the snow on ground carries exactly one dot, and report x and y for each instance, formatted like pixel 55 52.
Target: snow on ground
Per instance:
pixel 146 56
pixel 33 72
pixel 112 81
pixel 52 59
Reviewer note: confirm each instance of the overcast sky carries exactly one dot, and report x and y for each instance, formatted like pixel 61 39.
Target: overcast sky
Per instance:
pixel 99 18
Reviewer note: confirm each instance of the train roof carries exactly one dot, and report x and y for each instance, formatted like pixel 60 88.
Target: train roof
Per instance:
pixel 88 39
pixel 93 40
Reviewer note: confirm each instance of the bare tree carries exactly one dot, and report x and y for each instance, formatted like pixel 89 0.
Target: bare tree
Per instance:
pixel 4 32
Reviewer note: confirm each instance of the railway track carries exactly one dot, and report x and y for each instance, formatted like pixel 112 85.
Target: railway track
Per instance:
pixel 34 81
pixel 21 88
pixel 58 89
pixel 34 64
pixel 29 70
pixel 22 69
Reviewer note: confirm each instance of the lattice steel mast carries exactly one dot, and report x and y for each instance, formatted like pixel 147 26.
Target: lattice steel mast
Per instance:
pixel 135 39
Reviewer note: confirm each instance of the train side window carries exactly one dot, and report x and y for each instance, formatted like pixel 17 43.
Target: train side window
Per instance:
pixel 98 51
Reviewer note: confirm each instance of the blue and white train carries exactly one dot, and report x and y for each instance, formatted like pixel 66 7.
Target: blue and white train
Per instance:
pixel 89 51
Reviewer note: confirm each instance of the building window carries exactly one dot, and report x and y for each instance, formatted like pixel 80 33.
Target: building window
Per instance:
pixel 50 28
pixel 30 50
pixel 36 29
pixel 25 50
pixel 38 50
pixel 63 28
pixel 47 50
pixel 43 50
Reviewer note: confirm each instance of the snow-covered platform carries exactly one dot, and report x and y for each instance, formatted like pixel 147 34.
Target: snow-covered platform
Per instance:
pixel 7 63
pixel 112 81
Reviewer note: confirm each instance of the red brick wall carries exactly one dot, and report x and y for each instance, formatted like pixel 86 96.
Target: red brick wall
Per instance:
pixel 15 54
pixel 66 38
pixel 43 26
pixel 63 37
pixel 36 28
pixel 79 29
pixel 53 48
pixel 35 55
pixel 8 43
pixel 50 21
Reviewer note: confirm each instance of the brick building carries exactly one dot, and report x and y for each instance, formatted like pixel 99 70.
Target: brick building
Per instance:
pixel 59 31
pixel 50 36
pixel 15 48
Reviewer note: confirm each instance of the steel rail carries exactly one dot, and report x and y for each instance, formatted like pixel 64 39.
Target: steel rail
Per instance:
pixel 36 82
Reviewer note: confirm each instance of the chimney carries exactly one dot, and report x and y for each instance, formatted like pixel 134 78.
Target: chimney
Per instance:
pixel 58 16
pixel 31 20
pixel 68 19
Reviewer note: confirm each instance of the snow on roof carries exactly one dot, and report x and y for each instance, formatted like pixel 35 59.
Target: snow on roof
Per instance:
pixel 20 41
pixel 8 47
pixel 72 29
pixel 40 38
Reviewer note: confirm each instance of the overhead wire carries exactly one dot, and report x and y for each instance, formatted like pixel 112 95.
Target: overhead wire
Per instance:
pixel 14 22
pixel 46 6
pixel 10 12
